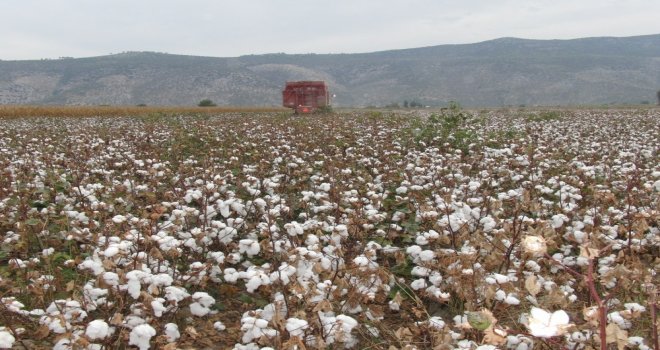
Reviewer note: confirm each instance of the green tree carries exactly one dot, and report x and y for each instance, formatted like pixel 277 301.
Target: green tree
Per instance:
pixel 405 103
pixel 206 103
pixel 658 97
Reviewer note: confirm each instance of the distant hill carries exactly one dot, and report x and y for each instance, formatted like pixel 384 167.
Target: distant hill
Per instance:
pixel 507 71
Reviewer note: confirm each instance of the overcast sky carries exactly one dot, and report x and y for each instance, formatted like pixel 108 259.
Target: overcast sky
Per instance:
pixel 34 29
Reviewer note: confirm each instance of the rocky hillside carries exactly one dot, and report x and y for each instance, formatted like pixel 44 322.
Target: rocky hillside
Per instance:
pixel 507 71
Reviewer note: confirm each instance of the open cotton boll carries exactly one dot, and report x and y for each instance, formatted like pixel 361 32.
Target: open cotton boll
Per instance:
pixel 544 324
pixel 111 278
pixel 118 219
pixel 418 284
pixel 219 326
pixel 426 255
pixel 296 327
pixel 6 339
pixel 158 307
pixel 175 294
pixel 97 329
pixel 172 332
pixel 249 246
pixel 141 336
pixel 511 300
pixel 202 304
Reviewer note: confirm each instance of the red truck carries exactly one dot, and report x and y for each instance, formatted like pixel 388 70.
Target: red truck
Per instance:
pixel 305 96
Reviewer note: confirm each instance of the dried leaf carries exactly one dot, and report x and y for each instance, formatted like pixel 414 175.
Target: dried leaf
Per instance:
pixel 588 252
pixel 71 285
pixel 170 346
pixel 532 285
pixel 495 336
pixel 324 305
pixel 192 332
pixel 616 335
pixel 41 333
pixel 590 315
pixel 403 334
pixel 117 319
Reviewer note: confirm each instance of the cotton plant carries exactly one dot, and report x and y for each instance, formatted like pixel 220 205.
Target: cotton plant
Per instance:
pixel 143 222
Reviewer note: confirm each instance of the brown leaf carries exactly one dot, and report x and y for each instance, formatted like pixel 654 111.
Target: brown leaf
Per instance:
pixel 324 305
pixel 589 252
pixel 590 315
pixel 41 333
pixel 495 336
pixel 71 285
pixel 170 346
pixel 403 334
pixel 616 335
pixel 117 319
pixel 192 332
pixel 155 253
pixel 532 285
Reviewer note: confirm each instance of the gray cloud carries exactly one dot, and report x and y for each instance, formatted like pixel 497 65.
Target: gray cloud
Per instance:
pixel 33 29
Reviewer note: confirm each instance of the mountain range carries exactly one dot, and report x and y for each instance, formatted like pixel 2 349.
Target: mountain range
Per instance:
pixel 500 72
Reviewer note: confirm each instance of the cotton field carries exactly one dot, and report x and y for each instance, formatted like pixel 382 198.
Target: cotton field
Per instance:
pixel 449 230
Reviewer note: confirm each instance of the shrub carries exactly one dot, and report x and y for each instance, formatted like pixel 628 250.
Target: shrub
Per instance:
pixel 206 103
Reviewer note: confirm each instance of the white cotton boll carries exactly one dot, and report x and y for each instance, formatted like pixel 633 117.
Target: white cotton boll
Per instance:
pixel 261 323
pixel 63 344
pixel 97 329
pixel 488 223
pixel 202 303
pixel 230 275
pixel 48 251
pixel 296 327
pixel 175 294
pixel 134 288
pixel 511 300
pixel 6 340
pixel 420 271
pixel 254 249
pixel 544 324
pixel 111 278
pixel 118 219
pixel 418 284
pixel 486 347
pixel 402 190
pixel 558 220
pixel 436 322
pixel 501 279
pixel 199 310
pixel 219 326
pixel 634 307
pixel 158 307
pixel 342 230
pixel 162 279
pixel 96 266
pixel 421 240
pixel 111 251
pixel 141 335
pixel 348 323
pixel 635 341
pixel 435 278
pixel 426 255
pixel 579 236
pixel 172 332
pixel 500 295
pixel 253 284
